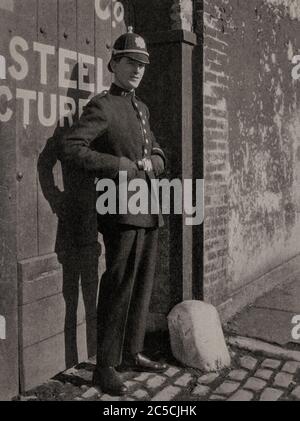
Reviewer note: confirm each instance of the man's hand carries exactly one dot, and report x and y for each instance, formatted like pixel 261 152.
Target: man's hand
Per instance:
pixel 129 166
pixel 158 164
pixel 145 164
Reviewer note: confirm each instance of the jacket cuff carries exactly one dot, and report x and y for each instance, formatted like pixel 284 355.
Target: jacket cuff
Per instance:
pixel 158 151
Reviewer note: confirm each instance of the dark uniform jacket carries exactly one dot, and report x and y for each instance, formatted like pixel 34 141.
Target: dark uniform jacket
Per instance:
pixel 114 124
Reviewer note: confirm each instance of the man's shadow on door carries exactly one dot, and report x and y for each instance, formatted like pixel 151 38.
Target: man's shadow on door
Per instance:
pixel 76 244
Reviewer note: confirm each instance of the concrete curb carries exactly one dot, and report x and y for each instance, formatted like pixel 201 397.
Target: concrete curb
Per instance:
pixel 264 348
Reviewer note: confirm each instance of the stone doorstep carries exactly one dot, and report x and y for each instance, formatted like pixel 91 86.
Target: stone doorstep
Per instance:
pixel 168 385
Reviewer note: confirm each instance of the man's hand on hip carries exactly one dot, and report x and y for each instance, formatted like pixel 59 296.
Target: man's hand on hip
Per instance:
pixel 129 166
pixel 158 164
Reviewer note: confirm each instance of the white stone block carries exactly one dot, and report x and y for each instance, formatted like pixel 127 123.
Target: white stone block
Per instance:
pixel 196 336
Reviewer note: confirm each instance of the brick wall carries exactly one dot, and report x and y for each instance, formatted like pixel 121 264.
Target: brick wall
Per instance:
pixel 215 53
pixel 250 146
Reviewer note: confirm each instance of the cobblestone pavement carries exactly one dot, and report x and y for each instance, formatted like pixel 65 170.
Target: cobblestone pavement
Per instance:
pixel 250 378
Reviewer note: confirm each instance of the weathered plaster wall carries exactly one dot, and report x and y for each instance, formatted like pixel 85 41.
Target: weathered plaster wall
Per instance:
pixel 251 141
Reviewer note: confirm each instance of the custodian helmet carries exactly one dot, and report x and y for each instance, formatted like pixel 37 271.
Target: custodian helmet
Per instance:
pixel 130 45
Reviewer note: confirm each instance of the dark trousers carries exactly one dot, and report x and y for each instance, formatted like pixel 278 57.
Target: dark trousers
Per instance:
pixel 125 292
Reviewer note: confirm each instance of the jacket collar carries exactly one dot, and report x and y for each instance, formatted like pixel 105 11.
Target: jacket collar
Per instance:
pixel 118 91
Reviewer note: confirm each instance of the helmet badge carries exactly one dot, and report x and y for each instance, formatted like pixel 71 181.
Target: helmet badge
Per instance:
pixel 140 42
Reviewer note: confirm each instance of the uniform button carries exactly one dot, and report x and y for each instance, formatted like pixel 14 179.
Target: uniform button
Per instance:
pixel 145 131
pixel 147 141
pixel 144 122
pixel 141 113
pixel 146 151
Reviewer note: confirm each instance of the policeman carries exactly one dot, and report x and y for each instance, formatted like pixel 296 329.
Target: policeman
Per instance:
pixel 113 135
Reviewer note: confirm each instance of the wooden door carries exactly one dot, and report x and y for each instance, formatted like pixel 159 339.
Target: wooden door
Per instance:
pixel 8 244
pixel 57 52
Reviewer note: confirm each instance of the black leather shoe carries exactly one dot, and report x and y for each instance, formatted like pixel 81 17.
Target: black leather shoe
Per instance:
pixel 139 362
pixel 109 381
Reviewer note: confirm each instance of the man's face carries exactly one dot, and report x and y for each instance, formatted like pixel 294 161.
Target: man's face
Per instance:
pixel 128 72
